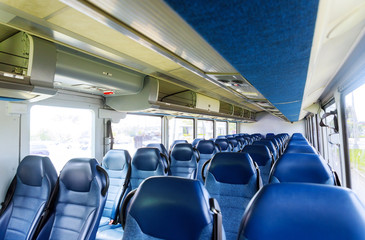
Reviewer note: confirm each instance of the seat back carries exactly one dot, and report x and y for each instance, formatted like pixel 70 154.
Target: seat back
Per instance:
pixel 303 211
pixel 262 156
pixel 195 141
pixel 33 183
pixel 235 144
pixel 301 167
pixel 241 141
pixel 163 150
pixel 270 146
pixel 224 145
pixel 175 142
pixel 300 149
pixel 233 180
pixel 178 208
pixel 183 161
pixel 146 162
pixel 207 150
pixel 79 201
pixel 116 163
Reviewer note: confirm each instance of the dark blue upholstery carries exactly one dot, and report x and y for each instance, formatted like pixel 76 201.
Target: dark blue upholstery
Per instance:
pixel 183 161
pixel 303 211
pixel 232 180
pixel 79 204
pixel 221 137
pixel 195 141
pixel 163 150
pixel 241 141
pixel 175 142
pixel 301 167
pixel 262 156
pixel 223 144
pixel 169 208
pixel 270 146
pixel 35 180
pixel 207 150
pixel 300 149
pixel 235 144
pixel 116 163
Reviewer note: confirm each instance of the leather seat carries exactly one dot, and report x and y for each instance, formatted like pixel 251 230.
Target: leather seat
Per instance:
pixel 79 201
pixel 175 142
pixel 163 150
pixel 235 144
pixel 170 208
pixel 183 161
pixel 300 149
pixel 233 180
pixel 224 145
pixel 299 211
pixel 301 167
pixel 270 146
pixel 207 150
pixel 116 163
pixel 28 194
pixel 195 141
pixel 262 156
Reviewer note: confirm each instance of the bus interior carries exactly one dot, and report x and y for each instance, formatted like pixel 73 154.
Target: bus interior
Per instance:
pixel 210 90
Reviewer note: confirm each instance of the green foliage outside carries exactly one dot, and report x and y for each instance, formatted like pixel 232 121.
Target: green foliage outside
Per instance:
pixel 357 158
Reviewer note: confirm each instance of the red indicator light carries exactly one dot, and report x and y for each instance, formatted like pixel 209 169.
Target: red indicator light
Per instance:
pixel 108 92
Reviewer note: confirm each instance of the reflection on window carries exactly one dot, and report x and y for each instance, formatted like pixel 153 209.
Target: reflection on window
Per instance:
pixel 232 128
pixel 355 123
pixel 205 129
pixel 61 133
pixel 136 131
pixel 221 128
pixel 180 129
pixel 333 143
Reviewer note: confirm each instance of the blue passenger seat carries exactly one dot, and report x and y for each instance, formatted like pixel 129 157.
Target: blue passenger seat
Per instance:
pixel 195 141
pixel 175 142
pixel 235 144
pixel 262 156
pixel 300 149
pixel 270 146
pixel 207 150
pixel 78 202
pixel 302 167
pixel 224 145
pixel 164 151
pixel 172 208
pixel 299 211
pixel 27 196
pixel 116 163
pixel 233 180
pixel 183 161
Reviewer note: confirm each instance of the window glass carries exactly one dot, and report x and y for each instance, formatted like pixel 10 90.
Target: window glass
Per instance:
pixel 232 129
pixel 221 128
pixel 136 131
pixel 180 129
pixel 205 129
pixel 355 124
pixel 333 143
pixel 61 133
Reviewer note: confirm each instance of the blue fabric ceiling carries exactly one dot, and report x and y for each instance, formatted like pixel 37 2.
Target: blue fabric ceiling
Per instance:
pixel 268 42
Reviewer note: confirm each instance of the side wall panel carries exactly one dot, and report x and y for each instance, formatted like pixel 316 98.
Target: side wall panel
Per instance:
pixel 9 147
pixel 268 123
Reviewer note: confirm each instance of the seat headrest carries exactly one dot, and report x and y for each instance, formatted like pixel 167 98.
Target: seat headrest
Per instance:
pixel 267 143
pixel 233 141
pixel 32 169
pixel 302 167
pixel 304 211
pixel 206 147
pixel 116 159
pixel 300 149
pixel 159 146
pixel 232 167
pixel 182 152
pixel 78 173
pixel 223 143
pixel 221 137
pixel 165 207
pixel 146 159
pixel 259 153
pixel 196 140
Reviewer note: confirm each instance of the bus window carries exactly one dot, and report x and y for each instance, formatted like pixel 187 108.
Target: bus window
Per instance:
pixel 333 143
pixel 232 128
pixel 205 129
pixel 355 124
pixel 61 133
pixel 221 128
pixel 180 129
pixel 136 131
